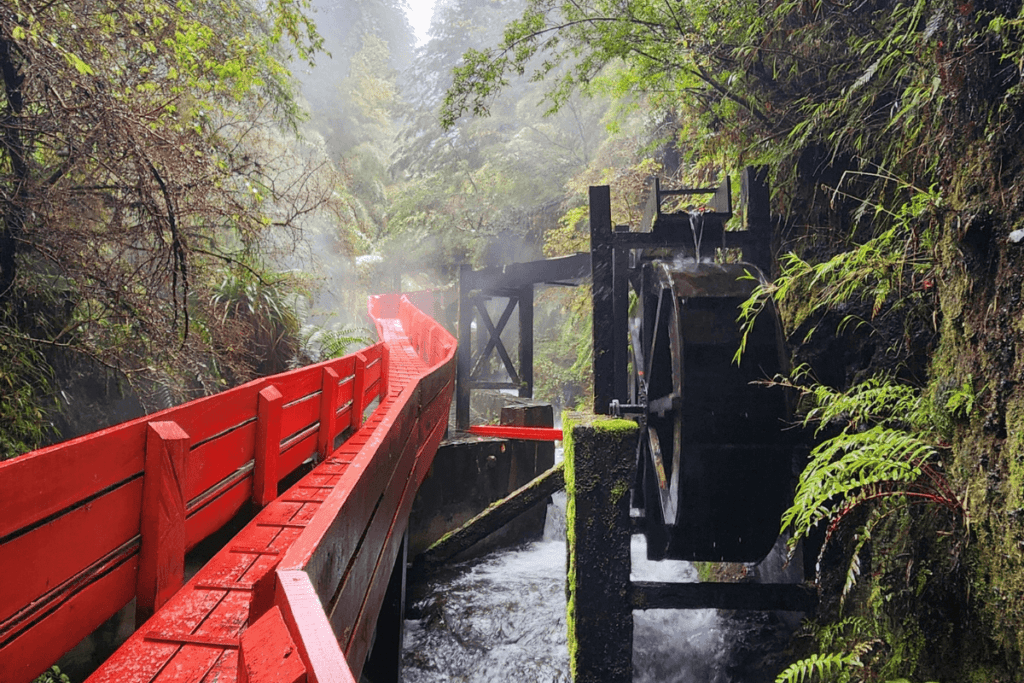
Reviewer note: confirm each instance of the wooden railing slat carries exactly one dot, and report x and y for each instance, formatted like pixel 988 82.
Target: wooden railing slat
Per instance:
pixel 211 463
pixel 49 555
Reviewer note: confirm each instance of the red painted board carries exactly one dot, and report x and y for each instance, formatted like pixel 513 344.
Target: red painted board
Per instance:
pixel 267 449
pixel 343 366
pixel 328 542
pixel 308 625
pixel 298 416
pixel 134 663
pixel 373 370
pixel 329 428
pixel 345 389
pixel 225 670
pixel 213 461
pixel 343 417
pixel 212 415
pixel 437 380
pixel 298 383
pixel 296 454
pixel 269 654
pixel 218 512
pixel 162 525
pixel 37 485
pixel 363 630
pixel 366 623
pixel 431 442
pixel 194 660
pixel 51 554
pixel 35 650
pixel 522 433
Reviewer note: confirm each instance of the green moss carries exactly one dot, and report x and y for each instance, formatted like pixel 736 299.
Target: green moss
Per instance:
pixel 615 425
pixel 569 420
pixel 620 489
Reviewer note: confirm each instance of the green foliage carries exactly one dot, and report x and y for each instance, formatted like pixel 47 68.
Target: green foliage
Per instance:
pixel 963 400
pixel 260 309
pixel 325 343
pixel 152 148
pixel 52 675
pixel 25 381
pixel 563 358
pixel 848 650
pixel 884 272
pixel 833 666
pixel 882 450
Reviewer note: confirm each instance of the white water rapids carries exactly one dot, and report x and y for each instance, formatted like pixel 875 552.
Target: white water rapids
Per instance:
pixel 502 619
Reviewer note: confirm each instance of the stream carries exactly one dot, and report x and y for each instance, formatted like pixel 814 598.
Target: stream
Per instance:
pixel 502 618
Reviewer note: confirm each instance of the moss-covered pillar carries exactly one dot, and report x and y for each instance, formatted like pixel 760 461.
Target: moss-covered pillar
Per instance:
pixel 599 464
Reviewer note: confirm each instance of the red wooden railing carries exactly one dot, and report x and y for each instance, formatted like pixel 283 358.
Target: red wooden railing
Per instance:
pixel 87 525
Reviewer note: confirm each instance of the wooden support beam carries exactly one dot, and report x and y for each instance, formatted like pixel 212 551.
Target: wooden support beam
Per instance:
pixel 497 515
pixel 603 296
pixel 795 597
pixel 494 342
pixel 385 369
pixel 504 431
pixel 620 320
pixel 328 404
pixel 269 403
pixel 162 526
pixel 464 362
pixel 526 342
pixel 599 470
pixel 755 198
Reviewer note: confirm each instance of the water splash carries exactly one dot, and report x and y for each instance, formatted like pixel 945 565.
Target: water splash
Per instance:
pixel 502 619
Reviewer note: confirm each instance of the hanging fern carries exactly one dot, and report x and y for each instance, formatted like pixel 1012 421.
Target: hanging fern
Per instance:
pixel 883 450
pixel 850 468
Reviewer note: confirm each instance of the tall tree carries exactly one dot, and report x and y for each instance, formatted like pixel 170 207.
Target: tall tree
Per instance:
pixel 345 24
pixel 141 152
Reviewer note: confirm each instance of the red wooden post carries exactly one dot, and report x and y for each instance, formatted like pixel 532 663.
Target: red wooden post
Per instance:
pixel 267 653
pixel 162 527
pixel 385 367
pixel 268 446
pixel 359 391
pixel 328 406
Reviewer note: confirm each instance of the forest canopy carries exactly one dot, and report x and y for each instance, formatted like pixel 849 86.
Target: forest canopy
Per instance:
pixel 145 161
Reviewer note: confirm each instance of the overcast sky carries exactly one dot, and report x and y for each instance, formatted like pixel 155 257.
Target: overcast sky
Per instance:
pixel 419 17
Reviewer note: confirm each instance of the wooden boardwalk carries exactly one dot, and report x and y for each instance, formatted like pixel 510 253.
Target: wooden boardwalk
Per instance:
pixel 295 596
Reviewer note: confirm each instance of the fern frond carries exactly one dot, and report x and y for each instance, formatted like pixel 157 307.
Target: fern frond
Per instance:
pixel 818 665
pixel 844 467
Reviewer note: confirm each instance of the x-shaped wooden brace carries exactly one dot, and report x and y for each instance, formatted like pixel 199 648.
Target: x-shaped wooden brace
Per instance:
pixel 495 338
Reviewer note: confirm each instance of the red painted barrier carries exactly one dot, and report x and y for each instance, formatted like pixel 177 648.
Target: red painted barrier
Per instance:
pixel 76 546
pixel 525 433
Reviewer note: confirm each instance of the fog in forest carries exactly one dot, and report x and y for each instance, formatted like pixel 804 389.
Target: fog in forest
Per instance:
pixel 416 201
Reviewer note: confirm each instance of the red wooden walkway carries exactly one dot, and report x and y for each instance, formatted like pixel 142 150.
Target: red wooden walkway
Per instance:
pixel 87 525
